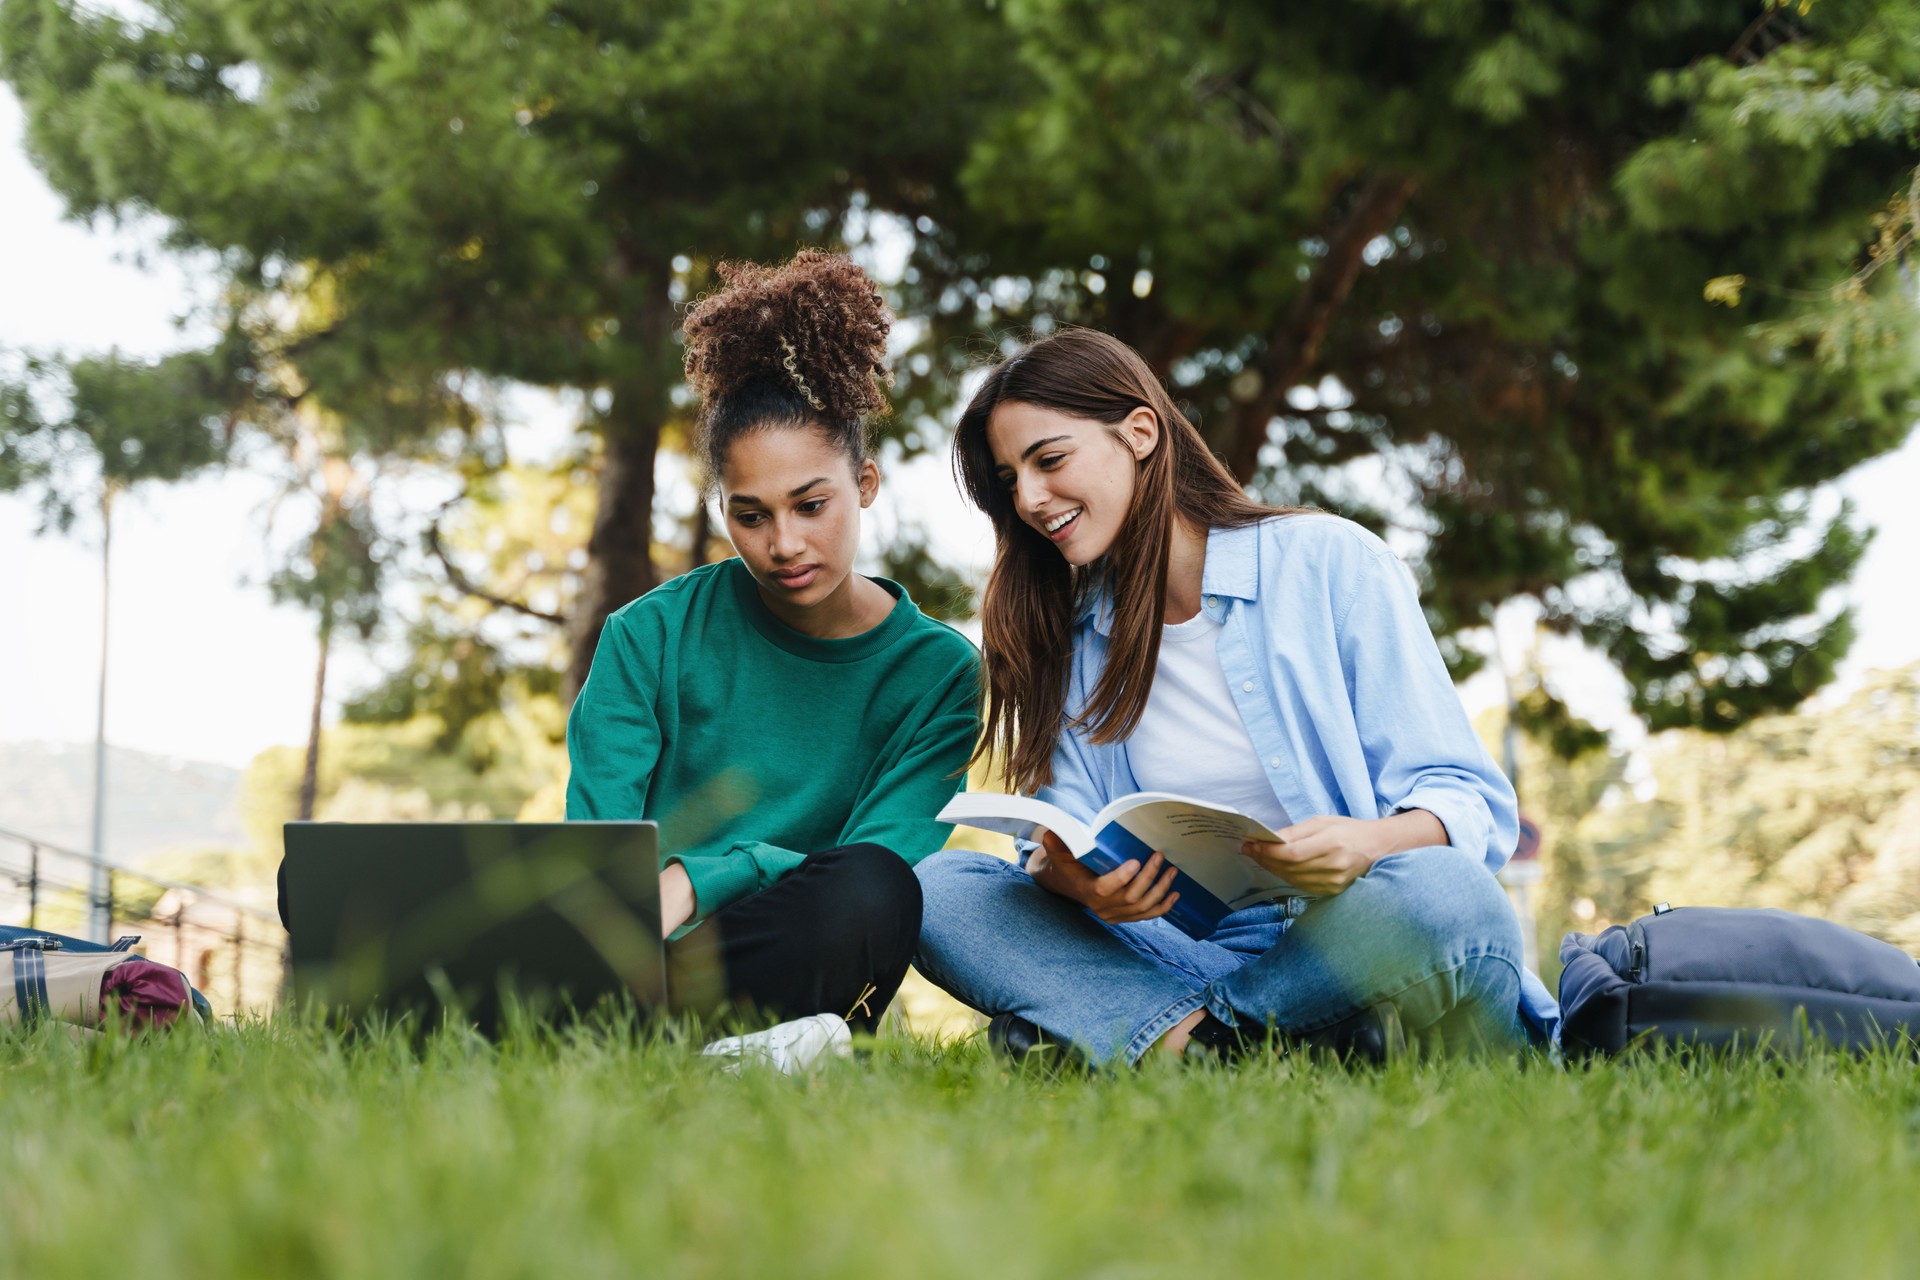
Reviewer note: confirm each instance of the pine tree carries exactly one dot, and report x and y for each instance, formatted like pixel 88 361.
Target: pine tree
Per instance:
pixel 497 188
pixel 1466 269
pixel 1588 300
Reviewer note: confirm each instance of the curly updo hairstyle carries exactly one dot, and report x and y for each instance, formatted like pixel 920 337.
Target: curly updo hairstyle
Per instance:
pixel 799 344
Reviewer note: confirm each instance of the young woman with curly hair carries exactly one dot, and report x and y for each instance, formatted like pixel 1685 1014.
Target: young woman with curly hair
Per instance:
pixel 791 724
pixel 1147 626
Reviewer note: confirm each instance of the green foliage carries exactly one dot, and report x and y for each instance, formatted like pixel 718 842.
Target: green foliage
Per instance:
pixel 456 677
pixel 1545 718
pixel 335 571
pixel 470 723
pixel 70 427
pixel 509 762
pixel 1816 812
pixel 521 530
pixel 517 533
pixel 421 193
pixel 277 1149
pixel 1493 226
pixel 938 589
pixel 1495 242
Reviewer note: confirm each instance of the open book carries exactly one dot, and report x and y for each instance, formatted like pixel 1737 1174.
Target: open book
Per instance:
pixel 1201 839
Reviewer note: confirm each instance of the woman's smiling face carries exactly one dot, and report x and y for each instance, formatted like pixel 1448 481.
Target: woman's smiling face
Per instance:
pixel 1072 479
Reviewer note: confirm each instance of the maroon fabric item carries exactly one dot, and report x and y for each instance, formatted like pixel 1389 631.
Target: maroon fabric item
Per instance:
pixel 150 995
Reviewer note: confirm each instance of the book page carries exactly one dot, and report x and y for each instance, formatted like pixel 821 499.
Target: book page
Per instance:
pixel 1204 841
pixel 1016 816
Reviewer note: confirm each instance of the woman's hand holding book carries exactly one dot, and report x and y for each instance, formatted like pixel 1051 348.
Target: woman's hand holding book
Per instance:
pixel 1129 893
pixel 1323 855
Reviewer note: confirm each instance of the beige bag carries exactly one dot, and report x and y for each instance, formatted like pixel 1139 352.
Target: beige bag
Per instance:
pixel 39 980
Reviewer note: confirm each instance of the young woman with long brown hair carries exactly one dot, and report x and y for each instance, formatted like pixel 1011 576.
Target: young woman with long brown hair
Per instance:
pixel 790 723
pixel 1147 626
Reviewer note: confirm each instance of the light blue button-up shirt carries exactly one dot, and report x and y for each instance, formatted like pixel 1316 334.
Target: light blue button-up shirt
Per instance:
pixel 1339 683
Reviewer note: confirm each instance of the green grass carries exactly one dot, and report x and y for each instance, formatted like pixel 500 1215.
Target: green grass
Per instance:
pixel 275 1150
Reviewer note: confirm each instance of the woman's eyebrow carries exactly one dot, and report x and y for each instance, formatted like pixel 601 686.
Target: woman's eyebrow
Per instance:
pixel 748 500
pixel 1038 444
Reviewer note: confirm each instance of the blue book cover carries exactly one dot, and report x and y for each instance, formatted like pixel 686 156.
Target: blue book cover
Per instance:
pixel 1197 914
pixel 1201 840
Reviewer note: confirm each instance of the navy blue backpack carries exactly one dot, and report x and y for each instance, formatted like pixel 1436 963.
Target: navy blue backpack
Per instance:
pixel 1724 977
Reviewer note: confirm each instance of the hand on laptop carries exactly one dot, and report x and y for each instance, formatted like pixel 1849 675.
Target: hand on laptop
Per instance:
pixel 676 899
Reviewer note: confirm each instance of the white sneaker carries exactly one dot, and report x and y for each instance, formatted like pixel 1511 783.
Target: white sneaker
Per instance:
pixel 791 1048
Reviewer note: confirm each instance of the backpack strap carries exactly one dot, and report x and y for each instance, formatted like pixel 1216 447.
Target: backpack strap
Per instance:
pixel 30 985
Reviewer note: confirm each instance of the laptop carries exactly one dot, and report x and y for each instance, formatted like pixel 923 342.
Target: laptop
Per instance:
pixel 397 917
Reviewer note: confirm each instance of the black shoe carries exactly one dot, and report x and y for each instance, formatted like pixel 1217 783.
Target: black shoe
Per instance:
pixel 1373 1035
pixel 1018 1041
pixel 1212 1038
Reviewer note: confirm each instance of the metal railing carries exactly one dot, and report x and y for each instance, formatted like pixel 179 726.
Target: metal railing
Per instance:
pixel 233 951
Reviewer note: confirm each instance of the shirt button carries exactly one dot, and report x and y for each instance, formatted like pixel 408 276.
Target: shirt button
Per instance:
pixel 1246 686
pixel 1275 762
pixel 1213 602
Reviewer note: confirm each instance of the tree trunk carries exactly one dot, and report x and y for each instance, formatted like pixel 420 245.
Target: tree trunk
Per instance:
pixel 620 549
pixel 702 533
pixel 310 776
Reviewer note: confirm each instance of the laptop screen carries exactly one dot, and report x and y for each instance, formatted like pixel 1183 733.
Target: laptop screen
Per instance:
pixel 465 917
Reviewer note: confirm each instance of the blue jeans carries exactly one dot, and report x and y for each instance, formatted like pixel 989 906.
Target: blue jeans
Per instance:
pixel 1429 930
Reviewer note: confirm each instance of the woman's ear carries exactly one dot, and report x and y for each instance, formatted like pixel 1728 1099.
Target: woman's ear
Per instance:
pixel 869 480
pixel 1140 432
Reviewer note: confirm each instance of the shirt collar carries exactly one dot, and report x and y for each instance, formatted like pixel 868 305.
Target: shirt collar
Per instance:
pixel 1233 563
pixel 1232 570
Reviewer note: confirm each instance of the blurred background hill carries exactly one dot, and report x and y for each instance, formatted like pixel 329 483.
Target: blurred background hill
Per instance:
pixel 158 804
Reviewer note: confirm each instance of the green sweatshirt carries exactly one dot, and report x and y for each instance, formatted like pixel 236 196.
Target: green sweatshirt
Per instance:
pixel 753 745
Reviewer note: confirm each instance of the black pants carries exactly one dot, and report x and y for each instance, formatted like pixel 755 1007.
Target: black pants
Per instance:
pixel 835 935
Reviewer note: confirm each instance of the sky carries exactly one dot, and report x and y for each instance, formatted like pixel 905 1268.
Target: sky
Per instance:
pixel 202 666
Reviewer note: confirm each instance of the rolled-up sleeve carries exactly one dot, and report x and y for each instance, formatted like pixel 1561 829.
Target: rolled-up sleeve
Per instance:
pixel 1420 747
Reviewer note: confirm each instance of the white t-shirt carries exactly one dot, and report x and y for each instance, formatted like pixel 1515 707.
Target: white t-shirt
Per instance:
pixel 1190 740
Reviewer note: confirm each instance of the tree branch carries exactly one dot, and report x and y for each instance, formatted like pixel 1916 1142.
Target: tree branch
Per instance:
pixel 1295 349
pixel 462 583
pixel 1743 48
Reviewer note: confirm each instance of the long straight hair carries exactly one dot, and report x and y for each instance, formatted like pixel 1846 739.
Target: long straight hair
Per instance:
pixel 1033 594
